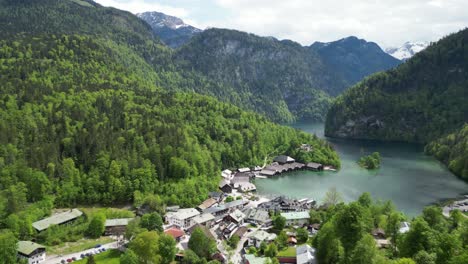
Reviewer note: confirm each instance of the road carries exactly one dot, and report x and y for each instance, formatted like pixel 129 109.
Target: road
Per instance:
pixel 237 258
pixel 55 259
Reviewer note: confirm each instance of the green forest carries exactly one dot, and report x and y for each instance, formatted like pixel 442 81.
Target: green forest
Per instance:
pixel 420 101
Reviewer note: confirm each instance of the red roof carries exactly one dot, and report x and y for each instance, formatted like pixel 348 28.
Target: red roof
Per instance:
pixel 174 232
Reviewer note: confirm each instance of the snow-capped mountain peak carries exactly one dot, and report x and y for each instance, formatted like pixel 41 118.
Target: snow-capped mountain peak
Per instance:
pixel 407 50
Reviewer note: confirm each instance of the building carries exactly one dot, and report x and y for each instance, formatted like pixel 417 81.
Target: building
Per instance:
pixel 257 217
pixel 207 204
pixel 282 159
pixel 314 166
pixel 305 254
pixel 245 187
pixel 242 177
pixel 252 259
pixel 31 251
pixel 268 173
pixel 116 227
pixel 183 218
pixel 243 170
pixel 225 186
pixel 204 220
pixel 404 227
pixel 176 233
pixel 283 204
pixel 296 218
pixel 256 238
pixel 378 233
pixel 57 219
pixel 222 210
pixel 236 217
pixel 227 174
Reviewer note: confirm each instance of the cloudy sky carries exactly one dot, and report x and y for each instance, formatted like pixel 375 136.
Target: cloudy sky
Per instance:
pixel 387 22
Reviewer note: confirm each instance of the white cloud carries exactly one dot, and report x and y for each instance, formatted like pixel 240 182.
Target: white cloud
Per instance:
pixel 139 6
pixel 387 22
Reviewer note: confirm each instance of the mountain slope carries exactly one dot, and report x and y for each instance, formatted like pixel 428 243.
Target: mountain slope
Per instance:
pixel 419 101
pixel 407 50
pixel 172 30
pixel 280 79
pixel 354 58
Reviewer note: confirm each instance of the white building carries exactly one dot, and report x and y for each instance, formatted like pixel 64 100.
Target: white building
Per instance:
pixel 255 239
pixel 296 218
pixel 183 218
pixel 31 251
pixel 305 254
pixel 404 227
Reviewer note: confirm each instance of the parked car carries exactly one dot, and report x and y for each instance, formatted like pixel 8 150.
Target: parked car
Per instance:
pixel 63 261
pixel 69 260
pixel 97 246
pixel 82 256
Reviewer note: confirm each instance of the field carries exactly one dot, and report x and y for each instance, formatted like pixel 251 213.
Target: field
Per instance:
pixel 109 257
pixel 80 245
pixel 289 252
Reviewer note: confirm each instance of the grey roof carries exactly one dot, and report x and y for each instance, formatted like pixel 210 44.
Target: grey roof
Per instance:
pixel 267 172
pixel 305 254
pixel 314 165
pixel 252 259
pixel 184 213
pixel 203 218
pixel 28 247
pixel 118 222
pixel 225 206
pixel 245 186
pixel 223 183
pixel 257 215
pixel 237 215
pixel 295 215
pixel 57 219
pixel 261 235
pixel 207 203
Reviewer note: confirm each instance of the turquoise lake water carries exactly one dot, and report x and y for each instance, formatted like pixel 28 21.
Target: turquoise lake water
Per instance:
pixel 409 178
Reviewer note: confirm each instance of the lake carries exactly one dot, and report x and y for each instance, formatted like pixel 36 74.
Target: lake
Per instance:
pixel 409 178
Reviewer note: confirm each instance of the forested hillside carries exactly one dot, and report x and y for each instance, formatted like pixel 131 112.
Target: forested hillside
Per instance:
pixel 354 58
pixel 85 119
pixel 419 101
pixel 452 150
pixel 280 79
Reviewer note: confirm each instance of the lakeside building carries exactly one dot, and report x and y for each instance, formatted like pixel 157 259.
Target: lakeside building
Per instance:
pixel 221 210
pixel 225 186
pixel 32 252
pixel 116 227
pixel 183 218
pixel 283 204
pixel 296 218
pixel 57 219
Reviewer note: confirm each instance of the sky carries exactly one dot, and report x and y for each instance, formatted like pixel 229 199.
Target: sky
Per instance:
pixel 389 23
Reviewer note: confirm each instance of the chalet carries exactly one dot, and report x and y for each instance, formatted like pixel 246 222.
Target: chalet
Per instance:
pixel 252 259
pixel 296 218
pixel 228 230
pixel 221 210
pixel 382 243
pixel 32 252
pixel 227 174
pixel 256 238
pixel 225 186
pixel 176 233
pixel 57 219
pixel 245 187
pixel 116 227
pixel 257 168
pixel 183 218
pixel 314 166
pixel 257 217
pixel 207 204
pixel 305 254
pixel 218 196
pixel 206 219
pixel 282 159
pixel 236 217
pixel 292 241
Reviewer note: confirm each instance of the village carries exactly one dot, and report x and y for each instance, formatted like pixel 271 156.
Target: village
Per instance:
pixel 234 211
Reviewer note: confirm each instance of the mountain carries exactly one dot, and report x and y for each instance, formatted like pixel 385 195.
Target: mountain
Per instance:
pixel 420 101
pixel 354 58
pixel 280 79
pixel 172 30
pixel 407 50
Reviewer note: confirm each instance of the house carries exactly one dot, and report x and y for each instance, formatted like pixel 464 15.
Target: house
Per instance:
pixel 226 174
pixel 116 227
pixel 228 230
pixel 31 251
pixel 305 254
pixel 314 166
pixel 225 186
pixel 257 217
pixel 236 217
pixel 173 208
pixel 378 233
pixel 176 233
pixel 204 220
pixel 252 259
pixel 243 170
pixel 183 218
pixel 296 218
pixel 245 187
pixel 207 204
pixel 282 159
pixel 218 196
pixel 242 177
pixel 404 227
pixel 221 210
pixel 268 173
pixel 283 204
pixel 57 219
pixel 256 238
pixel 257 168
